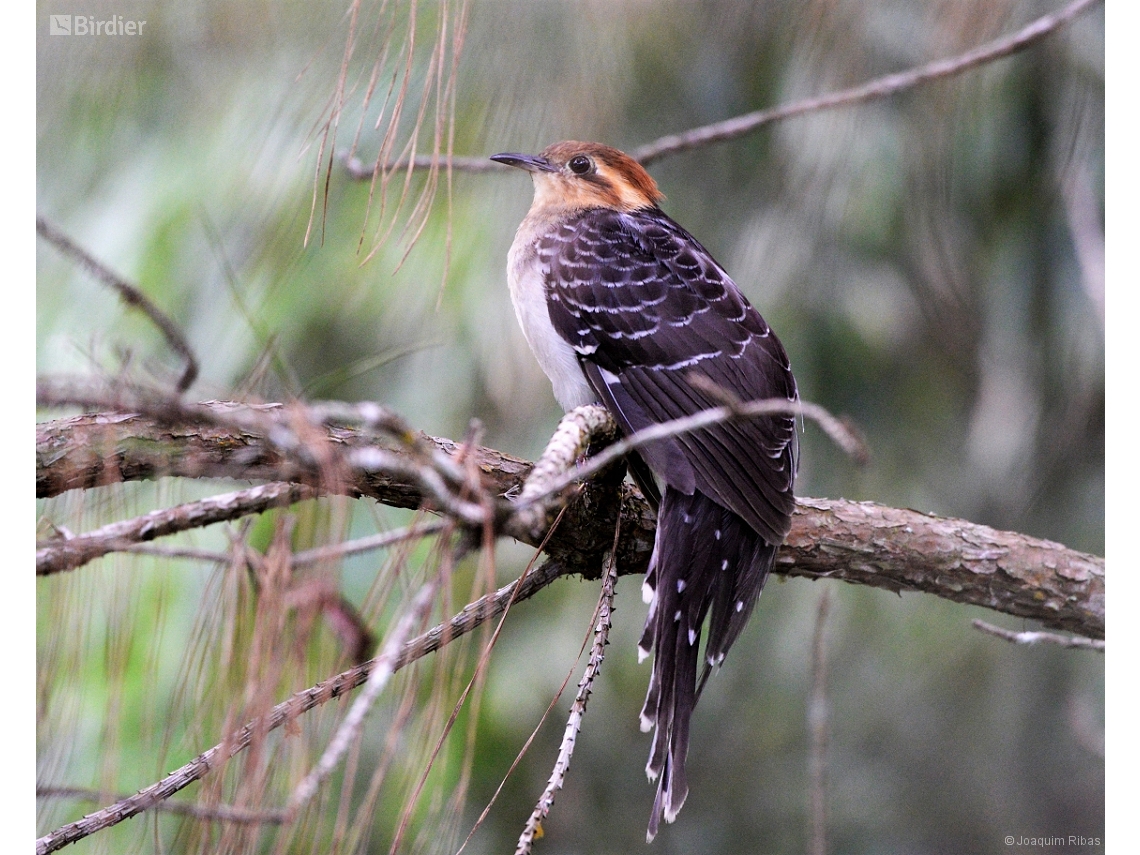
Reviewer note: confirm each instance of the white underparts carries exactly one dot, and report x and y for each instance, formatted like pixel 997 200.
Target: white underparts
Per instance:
pixel 555 356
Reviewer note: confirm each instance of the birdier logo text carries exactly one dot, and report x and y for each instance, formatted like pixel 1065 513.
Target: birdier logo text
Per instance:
pixel 88 25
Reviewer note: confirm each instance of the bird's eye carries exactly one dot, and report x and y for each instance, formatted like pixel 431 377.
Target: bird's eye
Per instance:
pixel 580 164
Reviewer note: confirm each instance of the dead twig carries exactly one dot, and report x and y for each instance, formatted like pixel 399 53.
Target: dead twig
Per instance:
pixel 880 87
pixel 1072 641
pixel 603 618
pixel 737 126
pixel 215 813
pixel 818 731
pixel 383 540
pixel 383 667
pixel 591 415
pixel 130 295
pixel 69 553
pixel 471 617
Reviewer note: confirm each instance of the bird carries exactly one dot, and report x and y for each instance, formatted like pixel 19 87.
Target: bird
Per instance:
pixel 623 307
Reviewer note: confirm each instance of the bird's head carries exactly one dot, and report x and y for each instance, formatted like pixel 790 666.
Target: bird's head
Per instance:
pixel 578 175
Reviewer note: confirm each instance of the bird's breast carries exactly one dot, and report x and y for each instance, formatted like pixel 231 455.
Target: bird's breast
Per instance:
pixel 558 360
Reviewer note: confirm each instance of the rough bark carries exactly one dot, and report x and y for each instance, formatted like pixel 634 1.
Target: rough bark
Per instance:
pixel 904 550
pixel 859 542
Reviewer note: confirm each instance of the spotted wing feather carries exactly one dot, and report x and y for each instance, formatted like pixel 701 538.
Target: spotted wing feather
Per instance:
pixel 647 307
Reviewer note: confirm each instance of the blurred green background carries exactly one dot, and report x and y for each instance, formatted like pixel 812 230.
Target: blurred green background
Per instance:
pixel 933 263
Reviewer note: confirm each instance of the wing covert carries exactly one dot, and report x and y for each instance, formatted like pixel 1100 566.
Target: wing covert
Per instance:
pixel 646 306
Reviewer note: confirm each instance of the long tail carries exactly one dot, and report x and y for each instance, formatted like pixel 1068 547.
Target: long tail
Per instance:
pixel 705 557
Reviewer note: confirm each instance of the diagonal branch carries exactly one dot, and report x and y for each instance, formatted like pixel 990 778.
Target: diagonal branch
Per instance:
pixel 56 556
pixel 603 620
pixel 380 670
pixel 130 295
pixel 216 813
pixel 880 87
pixel 594 418
pixel 471 617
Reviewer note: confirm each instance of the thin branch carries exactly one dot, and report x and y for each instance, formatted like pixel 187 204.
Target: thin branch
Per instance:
pixel 817 730
pixel 163 551
pixel 526 745
pixel 603 621
pixel 477 678
pixel 591 415
pixel 315 555
pixel 73 552
pixel 366 544
pixel 839 430
pixel 383 667
pixel 215 813
pixel 737 126
pixel 130 295
pixel 880 87
pixel 360 171
pixel 1072 641
pixel 471 617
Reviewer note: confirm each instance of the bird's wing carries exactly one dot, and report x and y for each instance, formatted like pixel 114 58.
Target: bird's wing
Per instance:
pixel 646 307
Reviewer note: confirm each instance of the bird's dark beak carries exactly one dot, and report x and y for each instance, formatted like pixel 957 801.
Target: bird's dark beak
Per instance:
pixel 529 162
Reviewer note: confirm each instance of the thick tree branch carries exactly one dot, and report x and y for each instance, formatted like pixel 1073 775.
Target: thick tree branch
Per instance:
pixel 904 550
pixel 297 437
pixel 217 439
pixel 860 542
